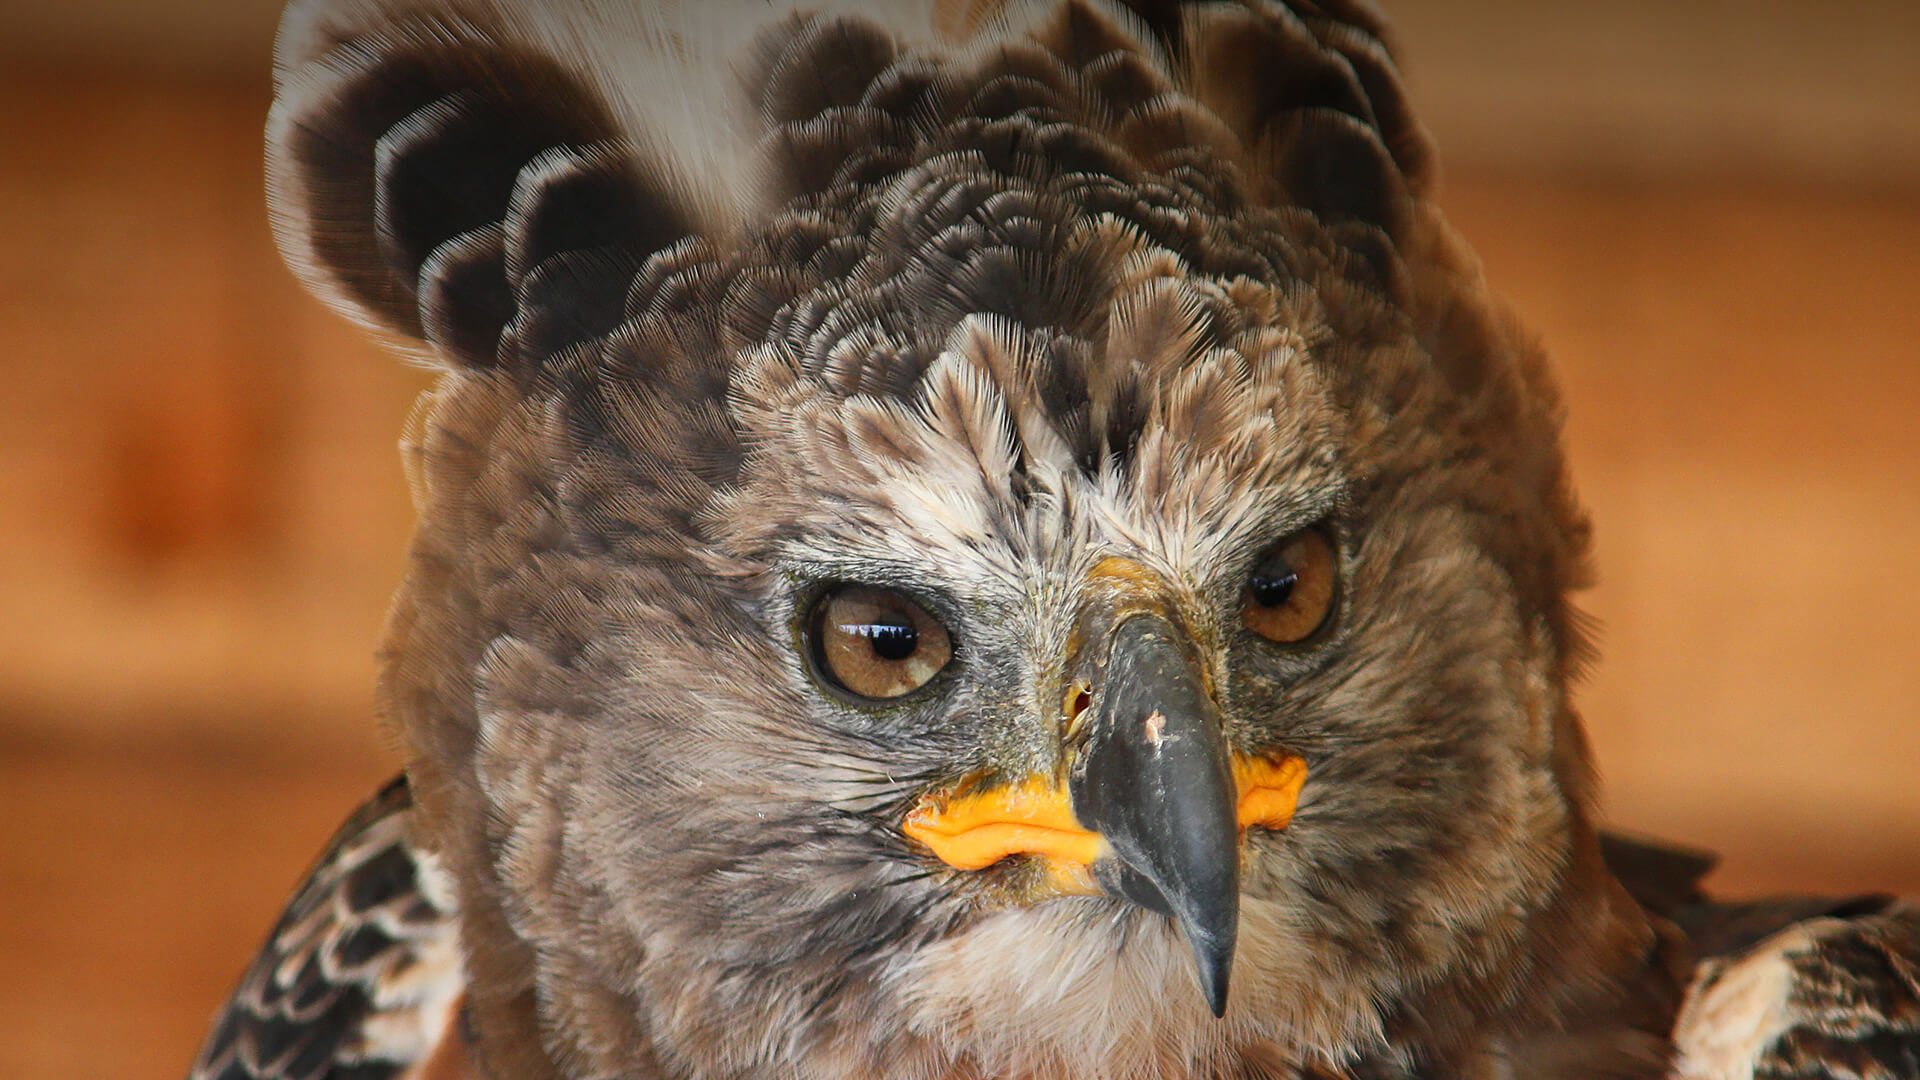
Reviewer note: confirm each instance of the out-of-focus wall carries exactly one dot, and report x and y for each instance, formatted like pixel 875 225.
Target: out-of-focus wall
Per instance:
pixel 230 40
pixel 1654 87
pixel 201 510
pixel 1732 90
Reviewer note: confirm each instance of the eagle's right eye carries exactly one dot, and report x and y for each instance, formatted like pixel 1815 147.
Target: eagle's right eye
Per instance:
pixel 875 643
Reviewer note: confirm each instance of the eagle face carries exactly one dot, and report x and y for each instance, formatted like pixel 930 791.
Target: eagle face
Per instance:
pixel 1043 564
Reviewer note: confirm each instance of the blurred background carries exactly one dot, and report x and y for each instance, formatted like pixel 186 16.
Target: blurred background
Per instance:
pixel 1708 209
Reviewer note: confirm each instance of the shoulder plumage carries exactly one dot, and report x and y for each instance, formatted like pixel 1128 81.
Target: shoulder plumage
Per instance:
pixel 362 974
pixel 1784 987
pixel 1828 990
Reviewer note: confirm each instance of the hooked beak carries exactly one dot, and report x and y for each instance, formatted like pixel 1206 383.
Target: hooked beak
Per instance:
pixel 1152 807
pixel 1155 781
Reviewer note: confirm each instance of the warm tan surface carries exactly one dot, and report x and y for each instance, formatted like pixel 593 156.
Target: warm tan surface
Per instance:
pixel 1742 370
pixel 201 510
pixel 201 514
pixel 134 886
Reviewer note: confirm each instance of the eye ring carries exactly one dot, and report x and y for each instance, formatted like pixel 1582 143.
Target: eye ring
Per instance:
pixel 874 644
pixel 1288 596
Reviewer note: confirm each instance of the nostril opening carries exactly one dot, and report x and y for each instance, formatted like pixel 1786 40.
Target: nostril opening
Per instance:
pixel 1073 710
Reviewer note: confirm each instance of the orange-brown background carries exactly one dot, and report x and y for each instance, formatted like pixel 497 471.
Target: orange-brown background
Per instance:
pixel 1709 211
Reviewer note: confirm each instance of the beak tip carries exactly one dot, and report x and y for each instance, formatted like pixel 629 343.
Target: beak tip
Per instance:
pixel 1214 967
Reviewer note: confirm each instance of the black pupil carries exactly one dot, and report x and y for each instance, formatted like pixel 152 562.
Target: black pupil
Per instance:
pixel 892 639
pixel 1272 584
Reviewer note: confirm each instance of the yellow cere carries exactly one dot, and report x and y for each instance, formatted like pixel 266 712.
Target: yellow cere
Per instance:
pixel 980 828
pixel 976 829
pixel 1269 790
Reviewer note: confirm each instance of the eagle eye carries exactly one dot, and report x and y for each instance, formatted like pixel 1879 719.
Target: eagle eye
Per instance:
pixel 875 643
pixel 1289 591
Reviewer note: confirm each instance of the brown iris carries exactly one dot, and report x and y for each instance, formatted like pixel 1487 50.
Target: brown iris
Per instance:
pixel 875 643
pixel 1290 588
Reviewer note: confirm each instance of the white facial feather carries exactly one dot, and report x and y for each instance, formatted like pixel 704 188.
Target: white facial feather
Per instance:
pixel 1237 446
pixel 1047 992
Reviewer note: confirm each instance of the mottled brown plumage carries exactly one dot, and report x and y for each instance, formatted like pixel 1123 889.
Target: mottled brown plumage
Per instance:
pixel 970 303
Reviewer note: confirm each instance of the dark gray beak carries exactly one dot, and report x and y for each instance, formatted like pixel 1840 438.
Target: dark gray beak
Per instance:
pixel 1153 777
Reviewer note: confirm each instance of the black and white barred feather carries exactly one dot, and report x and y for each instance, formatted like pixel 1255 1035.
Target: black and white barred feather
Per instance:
pixel 361 977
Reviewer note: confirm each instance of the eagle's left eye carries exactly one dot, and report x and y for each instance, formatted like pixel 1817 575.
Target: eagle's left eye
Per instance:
pixel 1289 591
pixel 876 643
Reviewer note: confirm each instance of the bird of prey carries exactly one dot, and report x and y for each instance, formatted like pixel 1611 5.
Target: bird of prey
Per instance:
pixel 971 539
